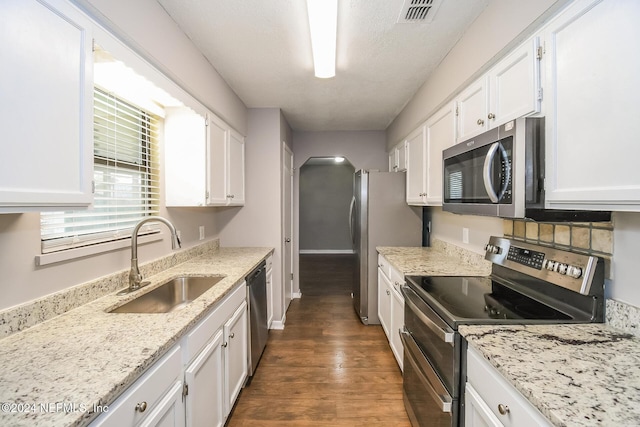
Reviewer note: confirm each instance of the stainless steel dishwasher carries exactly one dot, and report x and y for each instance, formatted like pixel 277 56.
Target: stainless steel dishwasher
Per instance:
pixel 257 298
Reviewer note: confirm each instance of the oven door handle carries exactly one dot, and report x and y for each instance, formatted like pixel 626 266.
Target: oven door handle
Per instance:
pixel 443 399
pixel 409 298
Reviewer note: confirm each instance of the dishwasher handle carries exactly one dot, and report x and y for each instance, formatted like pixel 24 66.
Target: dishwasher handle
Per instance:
pixel 255 273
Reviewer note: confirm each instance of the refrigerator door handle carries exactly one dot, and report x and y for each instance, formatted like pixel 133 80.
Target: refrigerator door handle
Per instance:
pixel 351 219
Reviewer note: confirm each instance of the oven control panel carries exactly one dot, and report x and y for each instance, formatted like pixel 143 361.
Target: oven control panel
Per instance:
pixel 526 257
pixel 563 268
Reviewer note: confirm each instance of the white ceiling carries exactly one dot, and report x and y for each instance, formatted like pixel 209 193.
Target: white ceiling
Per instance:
pixel 263 50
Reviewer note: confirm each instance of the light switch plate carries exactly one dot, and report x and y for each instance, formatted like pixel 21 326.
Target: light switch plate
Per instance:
pixel 202 232
pixel 465 235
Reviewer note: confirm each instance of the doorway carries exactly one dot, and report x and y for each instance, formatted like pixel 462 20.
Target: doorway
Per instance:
pixel 327 260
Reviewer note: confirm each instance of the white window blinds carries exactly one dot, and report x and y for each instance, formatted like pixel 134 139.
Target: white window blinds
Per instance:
pixel 125 174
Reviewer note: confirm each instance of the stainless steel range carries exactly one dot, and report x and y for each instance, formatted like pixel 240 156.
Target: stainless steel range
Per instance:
pixel 529 284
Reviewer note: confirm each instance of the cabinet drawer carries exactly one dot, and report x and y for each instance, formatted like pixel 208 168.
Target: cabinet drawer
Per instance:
pixel 384 266
pixel 495 390
pixel 201 334
pixel 146 391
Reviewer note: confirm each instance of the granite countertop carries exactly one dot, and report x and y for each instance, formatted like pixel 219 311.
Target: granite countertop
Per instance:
pixel 88 357
pixel 435 261
pixel 576 375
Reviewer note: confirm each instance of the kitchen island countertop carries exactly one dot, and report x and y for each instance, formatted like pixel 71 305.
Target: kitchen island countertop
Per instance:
pixel 576 375
pixel 55 373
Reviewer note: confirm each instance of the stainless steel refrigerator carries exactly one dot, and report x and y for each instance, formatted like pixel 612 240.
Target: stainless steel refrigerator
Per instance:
pixel 379 216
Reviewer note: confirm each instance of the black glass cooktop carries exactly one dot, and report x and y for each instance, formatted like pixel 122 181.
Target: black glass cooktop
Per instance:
pixel 465 300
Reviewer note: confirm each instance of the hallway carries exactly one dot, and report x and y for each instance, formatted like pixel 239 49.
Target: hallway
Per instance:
pixel 325 368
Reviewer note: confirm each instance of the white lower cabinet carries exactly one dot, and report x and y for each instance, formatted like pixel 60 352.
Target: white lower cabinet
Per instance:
pixel 151 396
pixel 490 400
pixel 235 356
pixel 391 306
pixel 204 400
pixel 197 382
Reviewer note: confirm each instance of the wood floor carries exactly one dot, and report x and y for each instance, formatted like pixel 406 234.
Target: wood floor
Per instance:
pixel 325 368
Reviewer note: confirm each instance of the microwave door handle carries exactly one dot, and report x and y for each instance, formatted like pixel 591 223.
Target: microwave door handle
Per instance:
pixel 507 171
pixel 486 172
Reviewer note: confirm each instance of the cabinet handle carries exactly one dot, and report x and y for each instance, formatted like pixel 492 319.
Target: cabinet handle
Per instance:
pixel 388 293
pixel 141 407
pixel 480 122
pixel 503 409
pixel 232 335
pixel 491 116
pixel 225 344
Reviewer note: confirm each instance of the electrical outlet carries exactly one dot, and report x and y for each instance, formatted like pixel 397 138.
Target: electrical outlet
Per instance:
pixel 465 235
pixel 202 232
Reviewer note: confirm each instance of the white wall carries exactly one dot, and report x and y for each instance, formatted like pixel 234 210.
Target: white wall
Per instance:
pixel 625 286
pixel 258 223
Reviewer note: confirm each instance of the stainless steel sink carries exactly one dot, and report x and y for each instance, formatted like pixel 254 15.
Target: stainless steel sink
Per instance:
pixel 170 296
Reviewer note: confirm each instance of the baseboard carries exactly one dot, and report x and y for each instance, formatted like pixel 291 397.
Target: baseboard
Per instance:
pixel 325 251
pixel 279 324
pixel 296 295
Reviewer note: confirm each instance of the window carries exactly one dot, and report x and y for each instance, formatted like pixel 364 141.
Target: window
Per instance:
pixel 126 176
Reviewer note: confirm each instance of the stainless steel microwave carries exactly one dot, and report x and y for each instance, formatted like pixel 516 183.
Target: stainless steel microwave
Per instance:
pixel 501 173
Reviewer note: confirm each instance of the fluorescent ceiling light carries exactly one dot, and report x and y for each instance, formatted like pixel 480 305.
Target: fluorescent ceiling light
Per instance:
pixel 323 23
pixel 338 159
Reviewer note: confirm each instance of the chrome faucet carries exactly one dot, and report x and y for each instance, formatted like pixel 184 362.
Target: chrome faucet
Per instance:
pixel 135 278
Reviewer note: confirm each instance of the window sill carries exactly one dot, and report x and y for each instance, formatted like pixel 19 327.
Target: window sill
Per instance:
pixel 87 251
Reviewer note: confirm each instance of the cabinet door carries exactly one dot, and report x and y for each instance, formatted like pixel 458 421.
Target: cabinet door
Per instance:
pixel 397 322
pixel 401 156
pixel 514 85
pixel 236 169
pixel 217 174
pixel 393 162
pixel 185 136
pixel 235 355
pixel 441 134
pixel 46 105
pixel 472 105
pixel 384 301
pixel 205 379
pixel 476 411
pixel 416 167
pixel 269 297
pixel 593 76
pixel 170 410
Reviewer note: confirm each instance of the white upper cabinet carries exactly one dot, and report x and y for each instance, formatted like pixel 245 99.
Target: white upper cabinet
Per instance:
pixel 424 157
pixel 472 109
pixel 592 72
pixel 509 90
pixel 204 160
pixel 225 159
pixel 398 158
pixel 417 167
pixel 514 85
pixel 46 106
pixel 235 169
pixel 440 134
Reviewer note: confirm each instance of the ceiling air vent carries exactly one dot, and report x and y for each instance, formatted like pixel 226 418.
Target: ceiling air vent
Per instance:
pixel 418 11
